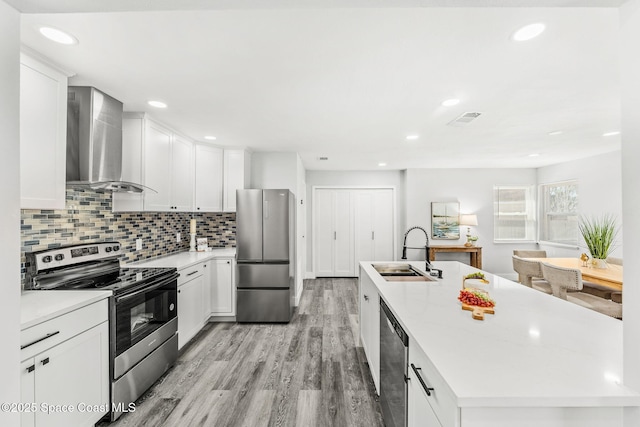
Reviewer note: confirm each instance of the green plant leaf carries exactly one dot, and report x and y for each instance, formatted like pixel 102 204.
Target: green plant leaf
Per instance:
pixel 599 234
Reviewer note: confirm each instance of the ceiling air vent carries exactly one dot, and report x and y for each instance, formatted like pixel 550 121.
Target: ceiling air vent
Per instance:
pixel 464 119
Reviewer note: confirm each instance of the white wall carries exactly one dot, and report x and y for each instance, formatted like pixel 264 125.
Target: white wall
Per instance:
pixel 473 189
pixel 630 66
pixel 599 191
pixel 10 210
pixel 393 178
pixel 285 170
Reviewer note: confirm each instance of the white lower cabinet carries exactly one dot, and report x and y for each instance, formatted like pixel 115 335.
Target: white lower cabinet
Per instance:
pixel 191 285
pixel 370 325
pixel 434 407
pixel 420 413
pixel 222 285
pixel 66 381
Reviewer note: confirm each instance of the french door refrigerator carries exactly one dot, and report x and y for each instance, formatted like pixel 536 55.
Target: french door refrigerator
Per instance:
pixel 265 239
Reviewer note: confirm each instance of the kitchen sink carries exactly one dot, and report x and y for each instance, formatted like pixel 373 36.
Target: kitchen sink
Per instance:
pixel 401 273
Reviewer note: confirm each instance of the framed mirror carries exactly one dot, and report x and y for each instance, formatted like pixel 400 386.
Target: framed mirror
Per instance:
pixel 445 220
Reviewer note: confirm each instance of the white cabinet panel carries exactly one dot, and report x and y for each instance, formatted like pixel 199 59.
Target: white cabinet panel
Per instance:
pixel 352 225
pixel 157 161
pixel 132 161
pixel 190 308
pixel 420 413
pixel 73 372
pixel 370 326
pixel 182 174
pixel 323 233
pixel 223 291
pixel 43 135
pixel 234 177
pixel 209 178
pixel 343 242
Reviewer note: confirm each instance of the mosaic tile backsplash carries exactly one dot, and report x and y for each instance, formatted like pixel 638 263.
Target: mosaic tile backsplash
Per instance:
pixel 87 218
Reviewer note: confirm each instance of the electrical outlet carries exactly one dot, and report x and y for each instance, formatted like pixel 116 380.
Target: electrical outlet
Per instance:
pixel 138 244
pixel 178 238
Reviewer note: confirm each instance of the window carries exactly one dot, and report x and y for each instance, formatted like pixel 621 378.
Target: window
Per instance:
pixel 559 213
pixel 514 213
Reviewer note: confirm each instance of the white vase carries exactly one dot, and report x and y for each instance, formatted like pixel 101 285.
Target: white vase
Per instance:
pixel 598 263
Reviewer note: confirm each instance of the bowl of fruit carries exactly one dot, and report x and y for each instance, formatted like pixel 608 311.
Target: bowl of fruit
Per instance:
pixel 476 278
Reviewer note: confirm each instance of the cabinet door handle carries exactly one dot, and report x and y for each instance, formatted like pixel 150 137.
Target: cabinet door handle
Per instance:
pixel 22 347
pixel 192 273
pixel 426 388
pixel 373 235
pixel 31 368
pixel 228 262
pixel 366 297
pixel 45 361
pixel 335 235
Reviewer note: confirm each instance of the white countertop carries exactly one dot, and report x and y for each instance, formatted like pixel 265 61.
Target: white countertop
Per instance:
pixel 40 306
pixel 185 259
pixel 537 350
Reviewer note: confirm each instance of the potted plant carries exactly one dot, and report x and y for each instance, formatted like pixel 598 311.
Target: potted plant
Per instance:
pixel 599 234
pixel 471 240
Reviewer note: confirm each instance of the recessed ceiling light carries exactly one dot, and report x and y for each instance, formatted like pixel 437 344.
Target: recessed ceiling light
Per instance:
pixel 210 138
pixel 58 36
pixel 157 104
pixel 450 102
pixel 534 154
pixel 616 132
pixel 528 32
pixel 555 132
pixel 412 137
pixel 382 164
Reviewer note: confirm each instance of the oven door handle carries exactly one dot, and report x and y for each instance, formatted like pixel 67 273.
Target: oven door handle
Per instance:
pixel 146 289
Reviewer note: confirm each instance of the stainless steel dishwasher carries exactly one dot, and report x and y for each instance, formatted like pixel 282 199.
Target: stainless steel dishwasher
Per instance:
pixel 394 358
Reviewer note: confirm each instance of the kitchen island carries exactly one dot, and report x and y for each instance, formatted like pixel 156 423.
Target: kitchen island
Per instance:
pixel 539 361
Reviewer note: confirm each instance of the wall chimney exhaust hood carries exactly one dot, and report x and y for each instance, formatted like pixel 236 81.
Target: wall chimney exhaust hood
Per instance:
pixel 94 141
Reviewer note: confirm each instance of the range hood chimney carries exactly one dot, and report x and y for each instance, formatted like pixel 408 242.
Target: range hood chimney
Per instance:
pixel 94 141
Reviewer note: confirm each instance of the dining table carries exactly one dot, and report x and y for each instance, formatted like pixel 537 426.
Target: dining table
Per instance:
pixel 610 277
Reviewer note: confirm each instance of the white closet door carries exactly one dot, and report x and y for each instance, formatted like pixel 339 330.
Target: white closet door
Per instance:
pixel 343 255
pixel 382 209
pixel 323 233
pixel 364 227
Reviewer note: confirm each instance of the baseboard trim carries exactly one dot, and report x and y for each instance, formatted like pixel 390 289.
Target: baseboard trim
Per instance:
pixel 309 275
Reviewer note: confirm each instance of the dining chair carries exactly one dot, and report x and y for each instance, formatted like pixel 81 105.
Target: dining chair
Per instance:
pixel 530 253
pixel 561 279
pixel 530 274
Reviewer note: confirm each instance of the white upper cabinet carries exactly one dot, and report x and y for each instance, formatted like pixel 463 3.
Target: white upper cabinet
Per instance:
pixel 157 168
pixel 236 170
pixel 43 135
pixel 132 161
pixel 182 174
pixel 209 180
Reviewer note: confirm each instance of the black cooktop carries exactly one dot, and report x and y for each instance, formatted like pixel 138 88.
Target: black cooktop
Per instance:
pixel 118 281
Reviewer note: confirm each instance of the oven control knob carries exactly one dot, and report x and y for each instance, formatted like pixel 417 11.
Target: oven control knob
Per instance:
pixel 116 248
pixel 171 307
pixel 46 258
pixel 107 249
pixel 59 257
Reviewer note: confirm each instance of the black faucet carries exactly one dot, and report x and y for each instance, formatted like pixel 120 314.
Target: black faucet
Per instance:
pixel 425 247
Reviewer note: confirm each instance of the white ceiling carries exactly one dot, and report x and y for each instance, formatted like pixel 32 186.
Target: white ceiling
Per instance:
pixel 351 83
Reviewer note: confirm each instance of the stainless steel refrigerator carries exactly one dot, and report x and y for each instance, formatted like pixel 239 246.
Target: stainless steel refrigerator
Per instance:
pixel 265 238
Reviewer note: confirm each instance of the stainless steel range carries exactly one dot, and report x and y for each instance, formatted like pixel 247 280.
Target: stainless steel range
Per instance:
pixel 143 322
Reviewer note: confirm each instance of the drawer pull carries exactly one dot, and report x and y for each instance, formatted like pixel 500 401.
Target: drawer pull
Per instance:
pixel 366 297
pixel 22 347
pixel 45 361
pixel 427 389
pixel 192 273
pixel 31 368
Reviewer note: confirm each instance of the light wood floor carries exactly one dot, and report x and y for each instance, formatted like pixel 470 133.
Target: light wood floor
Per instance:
pixel 309 372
